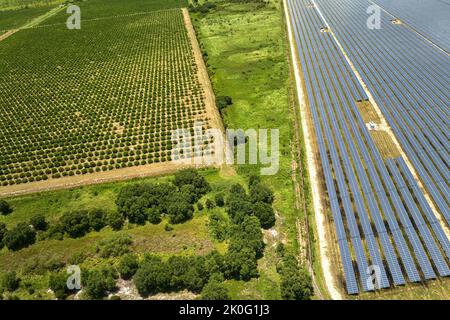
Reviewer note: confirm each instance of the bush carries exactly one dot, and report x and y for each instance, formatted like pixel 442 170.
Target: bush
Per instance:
pixel 20 237
pixel 264 212
pixel 154 215
pixel 99 282
pixel 10 281
pixel 5 208
pixel 76 223
pixel 219 199
pixel 179 209
pixel 38 222
pixel 192 177
pixel 116 220
pixel 114 246
pixel 3 231
pixel 128 266
pixel 199 206
pixel 97 219
pixel 214 289
pixel 260 193
pixel 55 232
pixel 223 101
pixel 210 204
pixel 296 283
pixel 58 284
pixel 152 276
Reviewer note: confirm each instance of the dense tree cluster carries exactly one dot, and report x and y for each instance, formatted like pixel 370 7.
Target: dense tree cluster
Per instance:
pixel 178 273
pixel 148 202
pixel 258 203
pixel 76 224
pixel 296 283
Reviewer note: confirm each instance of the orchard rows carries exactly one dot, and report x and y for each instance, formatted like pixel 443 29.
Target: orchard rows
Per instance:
pixel 101 98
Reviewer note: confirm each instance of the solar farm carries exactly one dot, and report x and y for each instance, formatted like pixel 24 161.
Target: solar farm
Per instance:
pixel 68 111
pixel 378 102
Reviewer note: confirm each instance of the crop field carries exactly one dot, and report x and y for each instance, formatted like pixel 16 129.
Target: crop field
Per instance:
pixel 382 216
pixel 67 111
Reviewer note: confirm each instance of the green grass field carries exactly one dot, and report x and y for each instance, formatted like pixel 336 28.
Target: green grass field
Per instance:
pixel 247 60
pixel 16 18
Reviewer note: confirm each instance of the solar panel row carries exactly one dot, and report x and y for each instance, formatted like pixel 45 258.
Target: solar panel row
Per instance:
pixel 411 88
pixel 358 182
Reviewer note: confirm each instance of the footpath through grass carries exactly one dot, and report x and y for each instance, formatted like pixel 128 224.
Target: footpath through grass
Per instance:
pixel 246 58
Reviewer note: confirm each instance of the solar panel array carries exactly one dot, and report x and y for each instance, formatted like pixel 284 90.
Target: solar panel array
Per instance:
pixel 379 218
pixel 430 18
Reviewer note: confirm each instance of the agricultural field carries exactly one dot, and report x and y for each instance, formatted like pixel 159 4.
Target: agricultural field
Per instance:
pixel 68 111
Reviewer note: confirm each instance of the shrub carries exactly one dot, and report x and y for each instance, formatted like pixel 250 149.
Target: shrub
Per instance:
pixel 38 222
pixel 154 215
pixel 5 208
pixel 214 289
pixel 296 283
pixel 264 212
pixel 128 266
pixel 98 282
pixel 19 237
pixel 116 220
pixel 76 223
pixel 199 206
pixel 192 177
pixel 152 276
pixel 58 284
pixel 179 209
pixel 97 219
pixel 114 246
pixel 260 193
pixel 219 199
pixel 10 281
pixel 223 101
pixel 210 204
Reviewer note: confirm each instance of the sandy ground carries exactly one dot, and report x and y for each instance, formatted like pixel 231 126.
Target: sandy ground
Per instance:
pixel 211 109
pixel 8 34
pixel 132 172
pixel 93 178
pixel 312 168
pixel 384 124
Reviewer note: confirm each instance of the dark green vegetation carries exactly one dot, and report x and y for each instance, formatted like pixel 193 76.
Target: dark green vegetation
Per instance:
pixel 244 46
pixel 98 112
pixel 117 253
pixel 13 19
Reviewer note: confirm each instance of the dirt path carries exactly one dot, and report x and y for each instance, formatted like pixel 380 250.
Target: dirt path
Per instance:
pixel 312 168
pixel 8 34
pixel 150 170
pixel 33 23
pixel 203 77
